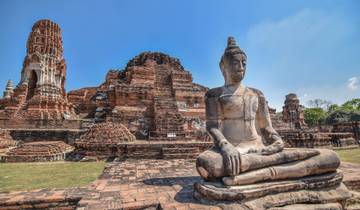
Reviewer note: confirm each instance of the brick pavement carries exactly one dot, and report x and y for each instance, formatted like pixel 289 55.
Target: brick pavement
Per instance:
pixel 133 184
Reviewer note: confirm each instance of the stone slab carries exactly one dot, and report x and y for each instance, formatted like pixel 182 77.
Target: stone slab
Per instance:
pixel 218 191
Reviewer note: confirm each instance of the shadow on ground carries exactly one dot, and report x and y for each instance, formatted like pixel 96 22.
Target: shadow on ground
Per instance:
pixel 186 183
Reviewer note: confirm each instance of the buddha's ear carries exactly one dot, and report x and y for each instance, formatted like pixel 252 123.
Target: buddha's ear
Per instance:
pixel 222 64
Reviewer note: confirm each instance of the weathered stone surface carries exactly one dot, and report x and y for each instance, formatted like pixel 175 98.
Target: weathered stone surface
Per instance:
pixel 106 133
pixel 247 150
pixel 299 200
pixel 154 97
pixel 137 183
pixel 220 192
pixel 38 151
pixel 291 127
pixel 141 149
pixel 40 94
pixel 9 90
pixel 348 127
pixel 56 199
pixel 293 112
pixel 351 178
pixel 31 135
pixel 314 139
pixel 6 141
pixel 353 203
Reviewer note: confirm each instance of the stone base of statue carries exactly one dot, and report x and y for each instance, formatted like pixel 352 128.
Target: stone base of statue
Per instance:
pixel 313 192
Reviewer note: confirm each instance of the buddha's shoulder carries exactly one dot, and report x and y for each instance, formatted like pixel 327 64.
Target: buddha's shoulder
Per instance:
pixel 214 92
pixel 256 91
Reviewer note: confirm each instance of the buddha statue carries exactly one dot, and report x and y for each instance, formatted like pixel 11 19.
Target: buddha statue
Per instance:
pixel 247 150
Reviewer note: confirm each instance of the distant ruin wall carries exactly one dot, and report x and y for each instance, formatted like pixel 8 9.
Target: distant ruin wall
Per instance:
pixel 145 150
pixel 27 135
pixel 39 124
pixel 309 139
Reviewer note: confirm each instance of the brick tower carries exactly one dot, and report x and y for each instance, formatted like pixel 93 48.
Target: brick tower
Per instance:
pixel 41 94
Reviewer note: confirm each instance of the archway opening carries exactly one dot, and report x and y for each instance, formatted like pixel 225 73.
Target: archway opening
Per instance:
pixel 32 84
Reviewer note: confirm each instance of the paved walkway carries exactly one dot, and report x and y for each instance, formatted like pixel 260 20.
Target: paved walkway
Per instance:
pixel 135 184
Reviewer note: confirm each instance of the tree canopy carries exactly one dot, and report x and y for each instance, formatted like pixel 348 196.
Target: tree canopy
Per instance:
pixel 323 111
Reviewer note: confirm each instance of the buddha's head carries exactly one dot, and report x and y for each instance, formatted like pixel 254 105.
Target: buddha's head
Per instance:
pixel 233 63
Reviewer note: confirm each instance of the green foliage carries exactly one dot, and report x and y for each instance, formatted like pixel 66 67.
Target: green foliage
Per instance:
pixel 355 116
pixel 338 116
pixel 349 111
pixel 352 105
pixel 333 107
pixel 314 116
pixel 28 176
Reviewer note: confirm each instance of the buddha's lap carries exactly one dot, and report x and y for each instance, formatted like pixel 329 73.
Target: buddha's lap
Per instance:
pixel 211 161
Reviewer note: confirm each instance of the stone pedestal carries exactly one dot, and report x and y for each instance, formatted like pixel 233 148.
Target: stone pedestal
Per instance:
pixel 313 192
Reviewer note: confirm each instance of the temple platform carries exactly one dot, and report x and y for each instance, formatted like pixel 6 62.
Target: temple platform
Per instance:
pixel 142 149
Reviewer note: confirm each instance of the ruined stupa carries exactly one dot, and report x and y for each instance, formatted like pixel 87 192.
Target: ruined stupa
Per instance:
pixel 293 112
pixel 40 93
pixel 154 96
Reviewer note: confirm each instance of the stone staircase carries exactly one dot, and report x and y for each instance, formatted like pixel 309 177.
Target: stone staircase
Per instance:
pixel 141 152
pixel 167 119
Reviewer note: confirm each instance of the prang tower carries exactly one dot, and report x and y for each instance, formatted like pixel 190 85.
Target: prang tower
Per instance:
pixel 40 93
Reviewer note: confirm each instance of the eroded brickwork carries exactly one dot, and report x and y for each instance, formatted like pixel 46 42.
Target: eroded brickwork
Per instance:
pixel 40 93
pixel 154 97
pixel 6 141
pixel 314 139
pixel 38 151
pixel 293 112
pixel 106 133
pixel 351 127
pixel 291 126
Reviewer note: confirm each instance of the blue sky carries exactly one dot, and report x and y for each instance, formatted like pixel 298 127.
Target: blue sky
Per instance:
pixel 307 47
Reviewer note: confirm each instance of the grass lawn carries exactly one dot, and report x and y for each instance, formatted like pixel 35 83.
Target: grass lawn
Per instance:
pixel 350 155
pixel 28 176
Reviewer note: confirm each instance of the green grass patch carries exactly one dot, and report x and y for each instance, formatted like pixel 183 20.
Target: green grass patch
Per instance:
pixel 28 176
pixel 349 155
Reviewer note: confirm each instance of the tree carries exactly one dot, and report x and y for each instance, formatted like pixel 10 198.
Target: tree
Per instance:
pixel 352 105
pixel 319 103
pixel 314 116
pixel 349 111
pixel 333 107
pixel 338 116
pixel 355 116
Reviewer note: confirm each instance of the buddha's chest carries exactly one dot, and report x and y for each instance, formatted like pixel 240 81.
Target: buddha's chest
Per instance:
pixel 238 106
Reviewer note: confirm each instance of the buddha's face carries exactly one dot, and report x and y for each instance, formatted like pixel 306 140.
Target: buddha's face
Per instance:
pixel 235 68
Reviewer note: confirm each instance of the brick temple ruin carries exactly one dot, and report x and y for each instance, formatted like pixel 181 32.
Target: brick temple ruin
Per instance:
pixel 150 109
pixel 293 129
pixel 38 99
pixel 40 93
pixel 293 112
pixel 154 96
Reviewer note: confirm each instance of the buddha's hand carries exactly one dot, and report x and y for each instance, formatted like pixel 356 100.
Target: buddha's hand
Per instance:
pixel 232 159
pixel 275 147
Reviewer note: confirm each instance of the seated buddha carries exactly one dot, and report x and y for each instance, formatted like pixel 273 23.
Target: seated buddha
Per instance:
pixel 246 148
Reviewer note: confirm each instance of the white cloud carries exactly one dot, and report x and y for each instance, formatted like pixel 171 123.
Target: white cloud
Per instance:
pixel 311 53
pixel 353 83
